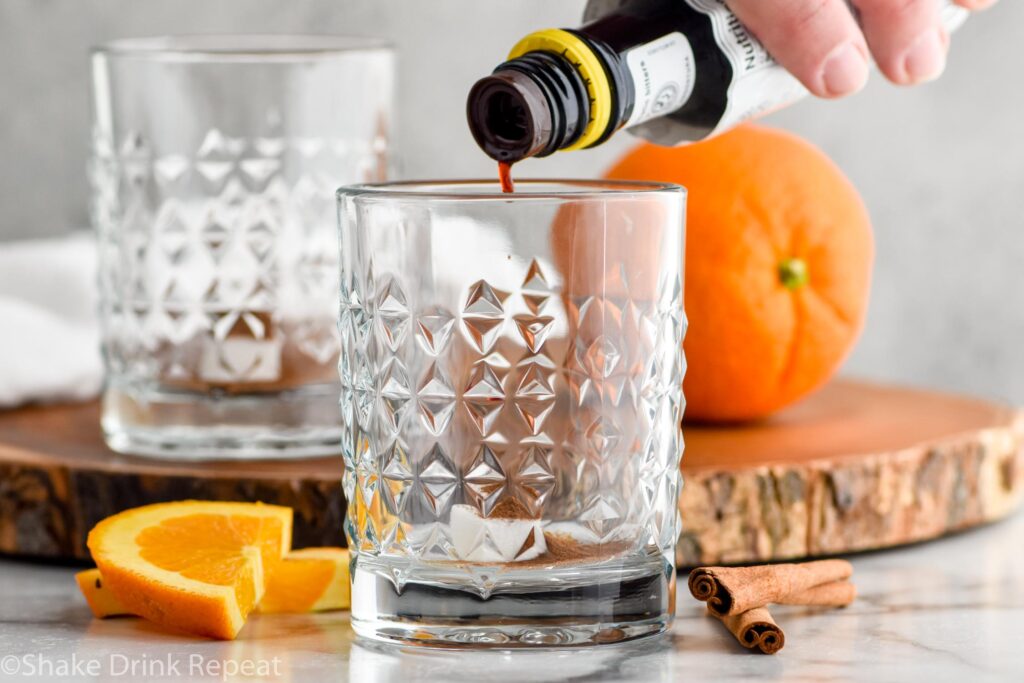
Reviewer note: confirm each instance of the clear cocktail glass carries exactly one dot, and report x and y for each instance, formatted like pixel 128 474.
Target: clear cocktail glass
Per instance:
pixel 511 373
pixel 214 163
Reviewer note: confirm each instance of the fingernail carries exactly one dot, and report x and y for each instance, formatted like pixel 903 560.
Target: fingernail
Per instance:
pixel 926 58
pixel 845 71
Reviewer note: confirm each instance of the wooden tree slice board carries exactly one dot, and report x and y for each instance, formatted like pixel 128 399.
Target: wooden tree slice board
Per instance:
pixel 857 466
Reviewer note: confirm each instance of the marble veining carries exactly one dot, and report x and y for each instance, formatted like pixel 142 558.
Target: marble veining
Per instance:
pixel 945 611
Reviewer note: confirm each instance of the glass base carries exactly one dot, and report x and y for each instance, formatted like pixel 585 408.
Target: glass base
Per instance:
pixel 549 611
pixel 190 426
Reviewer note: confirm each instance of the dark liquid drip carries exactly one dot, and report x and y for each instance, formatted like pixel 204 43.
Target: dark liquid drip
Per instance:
pixel 505 177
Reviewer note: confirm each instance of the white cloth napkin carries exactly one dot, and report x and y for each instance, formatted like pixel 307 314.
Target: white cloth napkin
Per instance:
pixel 49 335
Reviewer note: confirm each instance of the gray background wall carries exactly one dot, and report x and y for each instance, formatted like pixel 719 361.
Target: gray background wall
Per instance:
pixel 940 166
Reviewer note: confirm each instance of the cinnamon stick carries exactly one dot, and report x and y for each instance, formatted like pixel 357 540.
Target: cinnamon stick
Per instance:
pixel 754 628
pixel 733 590
pixel 832 594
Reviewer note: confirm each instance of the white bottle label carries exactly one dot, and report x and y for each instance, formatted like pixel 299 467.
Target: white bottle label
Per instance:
pixel 663 73
pixel 759 85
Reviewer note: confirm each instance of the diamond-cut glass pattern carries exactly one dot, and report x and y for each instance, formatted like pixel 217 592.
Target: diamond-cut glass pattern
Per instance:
pixel 397 475
pixel 219 258
pixel 506 389
pixel 434 329
pixel 486 480
pixel 436 481
pixel 436 399
pixel 534 477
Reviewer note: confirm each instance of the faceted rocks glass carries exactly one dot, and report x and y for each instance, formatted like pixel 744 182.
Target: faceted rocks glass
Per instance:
pixel 214 165
pixel 511 374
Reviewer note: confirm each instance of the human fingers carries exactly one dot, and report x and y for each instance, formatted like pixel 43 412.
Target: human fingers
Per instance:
pixel 906 38
pixel 818 41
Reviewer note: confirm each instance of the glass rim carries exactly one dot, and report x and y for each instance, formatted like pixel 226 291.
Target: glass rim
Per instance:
pixel 227 47
pixel 527 189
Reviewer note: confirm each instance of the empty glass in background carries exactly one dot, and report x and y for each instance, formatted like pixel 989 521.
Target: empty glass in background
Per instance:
pixel 214 165
pixel 512 391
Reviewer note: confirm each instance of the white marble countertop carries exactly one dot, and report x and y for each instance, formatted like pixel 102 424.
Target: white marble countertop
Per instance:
pixel 951 610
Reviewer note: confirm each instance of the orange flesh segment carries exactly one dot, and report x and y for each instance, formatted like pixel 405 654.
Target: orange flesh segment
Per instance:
pixel 308 580
pixel 211 549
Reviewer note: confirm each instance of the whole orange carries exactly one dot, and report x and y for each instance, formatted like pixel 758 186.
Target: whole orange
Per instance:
pixel 778 266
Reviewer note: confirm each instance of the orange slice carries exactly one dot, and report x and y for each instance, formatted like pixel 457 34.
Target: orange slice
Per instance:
pixel 308 580
pixel 195 566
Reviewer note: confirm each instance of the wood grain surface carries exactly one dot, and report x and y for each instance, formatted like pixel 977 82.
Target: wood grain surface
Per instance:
pixel 857 466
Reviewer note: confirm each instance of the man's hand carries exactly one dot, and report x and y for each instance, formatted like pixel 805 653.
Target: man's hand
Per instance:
pixel 821 44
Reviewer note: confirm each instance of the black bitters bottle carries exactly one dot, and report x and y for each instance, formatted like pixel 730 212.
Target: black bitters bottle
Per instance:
pixel 672 71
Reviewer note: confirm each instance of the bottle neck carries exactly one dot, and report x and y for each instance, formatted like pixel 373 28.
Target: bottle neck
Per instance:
pixel 532 105
pixel 559 90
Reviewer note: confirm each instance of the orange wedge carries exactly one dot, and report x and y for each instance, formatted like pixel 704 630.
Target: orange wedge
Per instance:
pixel 195 566
pixel 308 580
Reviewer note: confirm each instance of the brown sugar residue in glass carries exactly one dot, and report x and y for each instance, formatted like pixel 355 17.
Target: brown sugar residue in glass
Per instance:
pixel 511 508
pixel 563 549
